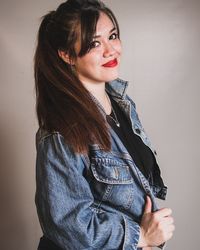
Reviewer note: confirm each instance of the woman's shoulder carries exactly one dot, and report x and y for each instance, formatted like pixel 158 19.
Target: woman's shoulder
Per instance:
pixel 53 146
pixel 54 142
pixel 43 134
pixel 45 139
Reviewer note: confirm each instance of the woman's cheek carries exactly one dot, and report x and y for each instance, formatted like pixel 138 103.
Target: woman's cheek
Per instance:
pixel 119 48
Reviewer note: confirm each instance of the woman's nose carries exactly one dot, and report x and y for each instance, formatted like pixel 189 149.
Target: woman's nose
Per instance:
pixel 109 50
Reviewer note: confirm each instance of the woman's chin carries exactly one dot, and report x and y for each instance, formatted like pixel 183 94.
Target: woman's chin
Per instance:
pixel 112 77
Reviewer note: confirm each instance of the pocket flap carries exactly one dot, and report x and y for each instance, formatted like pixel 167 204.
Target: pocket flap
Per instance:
pixel 111 173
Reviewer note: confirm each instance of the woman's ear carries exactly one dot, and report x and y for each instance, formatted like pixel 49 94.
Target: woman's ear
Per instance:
pixel 65 57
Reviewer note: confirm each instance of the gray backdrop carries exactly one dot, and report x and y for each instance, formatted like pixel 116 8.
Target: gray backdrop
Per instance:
pixel 161 61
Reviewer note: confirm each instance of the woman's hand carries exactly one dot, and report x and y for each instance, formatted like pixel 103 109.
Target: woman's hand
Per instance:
pixel 156 227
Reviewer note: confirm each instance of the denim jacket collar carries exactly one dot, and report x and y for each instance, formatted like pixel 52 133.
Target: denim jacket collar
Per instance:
pixel 117 88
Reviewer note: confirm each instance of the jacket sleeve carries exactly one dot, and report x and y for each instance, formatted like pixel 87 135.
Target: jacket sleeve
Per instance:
pixel 65 203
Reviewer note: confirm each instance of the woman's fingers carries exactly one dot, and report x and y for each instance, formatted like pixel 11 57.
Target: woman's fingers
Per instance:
pixel 148 205
pixel 168 220
pixel 163 212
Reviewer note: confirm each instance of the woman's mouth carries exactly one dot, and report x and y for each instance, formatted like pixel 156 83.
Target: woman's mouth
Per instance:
pixel 111 63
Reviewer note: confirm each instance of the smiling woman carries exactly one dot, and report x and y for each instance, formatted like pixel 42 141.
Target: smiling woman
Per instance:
pixel 96 172
pixel 101 63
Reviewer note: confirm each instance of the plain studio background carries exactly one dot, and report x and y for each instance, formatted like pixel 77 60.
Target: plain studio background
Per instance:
pixel 161 60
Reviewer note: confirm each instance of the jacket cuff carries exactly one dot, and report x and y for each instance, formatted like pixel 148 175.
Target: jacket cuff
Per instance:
pixel 132 234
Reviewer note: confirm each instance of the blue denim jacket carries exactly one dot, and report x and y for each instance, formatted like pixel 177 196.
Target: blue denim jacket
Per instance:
pixel 93 201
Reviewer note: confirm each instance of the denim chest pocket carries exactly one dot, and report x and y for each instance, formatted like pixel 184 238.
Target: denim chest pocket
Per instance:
pixel 114 183
pixel 111 171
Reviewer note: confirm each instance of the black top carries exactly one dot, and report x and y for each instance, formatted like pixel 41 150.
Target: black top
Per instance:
pixel 140 153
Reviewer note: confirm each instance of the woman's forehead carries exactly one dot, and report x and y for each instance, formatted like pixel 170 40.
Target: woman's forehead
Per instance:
pixel 104 25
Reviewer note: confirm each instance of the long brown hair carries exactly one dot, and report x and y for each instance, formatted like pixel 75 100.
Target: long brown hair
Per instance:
pixel 62 102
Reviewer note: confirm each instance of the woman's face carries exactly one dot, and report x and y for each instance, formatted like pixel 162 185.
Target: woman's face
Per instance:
pixel 101 63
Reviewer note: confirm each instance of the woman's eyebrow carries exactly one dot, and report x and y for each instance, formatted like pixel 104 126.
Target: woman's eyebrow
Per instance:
pixel 97 36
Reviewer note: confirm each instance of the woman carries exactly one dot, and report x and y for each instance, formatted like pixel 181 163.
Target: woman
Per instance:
pixel 96 172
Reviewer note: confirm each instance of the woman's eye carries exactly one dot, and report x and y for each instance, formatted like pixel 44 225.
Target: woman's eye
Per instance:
pixel 114 36
pixel 94 44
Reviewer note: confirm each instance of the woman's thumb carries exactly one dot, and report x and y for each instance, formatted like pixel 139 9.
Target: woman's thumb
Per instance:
pixel 148 205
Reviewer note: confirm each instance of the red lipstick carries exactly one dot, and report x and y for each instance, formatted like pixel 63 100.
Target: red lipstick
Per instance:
pixel 111 63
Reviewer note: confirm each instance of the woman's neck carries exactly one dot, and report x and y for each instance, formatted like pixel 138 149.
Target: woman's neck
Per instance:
pixel 99 92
